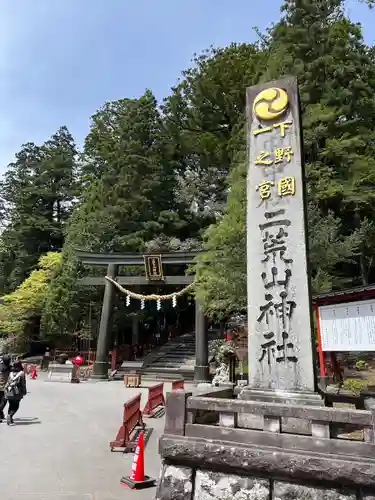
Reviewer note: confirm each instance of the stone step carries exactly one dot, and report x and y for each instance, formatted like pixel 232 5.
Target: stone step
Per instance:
pixel 180 361
pixel 173 367
pixel 167 370
pixel 179 353
pixel 160 374
pixel 180 356
pixel 173 361
pixel 175 352
pixel 180 348
pixel 166 377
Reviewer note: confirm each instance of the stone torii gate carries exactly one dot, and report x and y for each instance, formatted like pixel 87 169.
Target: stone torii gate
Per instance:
pixel 154 275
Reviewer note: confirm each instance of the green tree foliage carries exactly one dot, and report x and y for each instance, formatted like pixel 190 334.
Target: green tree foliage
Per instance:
pixel 336 73
pixel 317 43
pixel 221 268
pixel 131 197
pixel 203 117
pixel 38 190
pixel 157 179
pixel 21 310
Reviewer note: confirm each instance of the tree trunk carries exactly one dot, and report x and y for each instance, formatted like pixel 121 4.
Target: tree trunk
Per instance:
pixel 364 269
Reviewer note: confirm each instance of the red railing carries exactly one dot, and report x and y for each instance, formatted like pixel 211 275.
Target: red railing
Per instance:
pixel 132 418
pixel 155 399
pixel 178 385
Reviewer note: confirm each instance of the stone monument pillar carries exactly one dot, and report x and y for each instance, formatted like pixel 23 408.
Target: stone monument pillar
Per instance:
pixel 100 369
pixel 280 349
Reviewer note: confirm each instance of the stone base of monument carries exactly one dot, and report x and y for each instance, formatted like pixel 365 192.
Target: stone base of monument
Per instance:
pixel 288 424
pixel 221 459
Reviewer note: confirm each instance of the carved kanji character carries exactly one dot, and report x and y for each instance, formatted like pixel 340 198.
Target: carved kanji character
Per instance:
pixel 283 126
pixel 267 309
pixel 264 189
pixel 286 186
pixel 274 281
pixel 283 154
pixel 285 350
pixel 263 158
pixel 268 349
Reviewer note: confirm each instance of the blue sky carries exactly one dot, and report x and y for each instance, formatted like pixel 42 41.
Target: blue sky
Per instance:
pixel 60 60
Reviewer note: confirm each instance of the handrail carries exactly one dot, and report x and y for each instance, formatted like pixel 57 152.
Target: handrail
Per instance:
pixel 337 415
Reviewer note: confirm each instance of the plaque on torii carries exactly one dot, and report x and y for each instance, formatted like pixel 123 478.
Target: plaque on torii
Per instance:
pixel 154 267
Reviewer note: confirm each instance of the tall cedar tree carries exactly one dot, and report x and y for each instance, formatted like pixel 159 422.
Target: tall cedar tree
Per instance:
pixel 37 190
pixel 336 73
pixel 202 116
pixel 317 43
pixel 129 199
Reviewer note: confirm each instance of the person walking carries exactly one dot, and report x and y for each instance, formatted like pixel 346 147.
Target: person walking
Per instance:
pixel 15 390
pixel 4 375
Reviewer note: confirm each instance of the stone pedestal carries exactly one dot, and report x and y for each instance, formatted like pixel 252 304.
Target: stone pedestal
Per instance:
pixel 289 425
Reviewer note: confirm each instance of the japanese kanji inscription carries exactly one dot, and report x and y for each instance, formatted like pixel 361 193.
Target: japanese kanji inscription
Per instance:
pixel 279 313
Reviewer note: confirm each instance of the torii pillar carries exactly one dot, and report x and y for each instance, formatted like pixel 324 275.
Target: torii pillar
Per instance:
pixel 202 370
pixel 100 369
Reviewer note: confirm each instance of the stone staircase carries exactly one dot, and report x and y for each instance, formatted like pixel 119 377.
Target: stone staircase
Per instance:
pixel 173 360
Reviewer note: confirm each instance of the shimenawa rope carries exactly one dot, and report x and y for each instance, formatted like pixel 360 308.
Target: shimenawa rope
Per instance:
pixel 153 296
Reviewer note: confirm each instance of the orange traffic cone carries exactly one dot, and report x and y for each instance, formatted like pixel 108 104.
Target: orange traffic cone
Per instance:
pixel 33 372
pixel 137 479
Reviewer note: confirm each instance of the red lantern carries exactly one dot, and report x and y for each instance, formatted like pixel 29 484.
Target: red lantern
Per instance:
pixel 77 360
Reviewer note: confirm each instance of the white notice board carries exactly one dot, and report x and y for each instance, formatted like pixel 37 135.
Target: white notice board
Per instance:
pixel 348 327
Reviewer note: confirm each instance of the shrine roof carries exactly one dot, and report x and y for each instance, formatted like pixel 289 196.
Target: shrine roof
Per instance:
pixel 346 295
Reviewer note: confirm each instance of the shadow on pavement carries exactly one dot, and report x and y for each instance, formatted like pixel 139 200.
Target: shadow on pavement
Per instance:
pixel 27 421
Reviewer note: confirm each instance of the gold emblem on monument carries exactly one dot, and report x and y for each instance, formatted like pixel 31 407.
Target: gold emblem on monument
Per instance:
pixel 270 104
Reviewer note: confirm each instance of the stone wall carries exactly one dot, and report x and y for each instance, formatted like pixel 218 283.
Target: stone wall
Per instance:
pixel 185 483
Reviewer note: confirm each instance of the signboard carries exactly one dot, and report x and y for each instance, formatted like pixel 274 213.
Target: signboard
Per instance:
pixel 348 327
pixel 279 314
pixel 154 267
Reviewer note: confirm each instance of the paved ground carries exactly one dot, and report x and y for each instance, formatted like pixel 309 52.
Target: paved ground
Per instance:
pixel 59 447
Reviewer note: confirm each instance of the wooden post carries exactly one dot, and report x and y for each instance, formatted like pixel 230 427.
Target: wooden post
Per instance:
pixel 319 339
